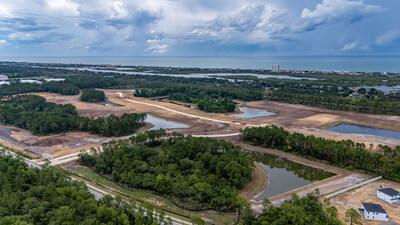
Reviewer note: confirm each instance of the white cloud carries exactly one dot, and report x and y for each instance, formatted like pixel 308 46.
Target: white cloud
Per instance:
pixel 388 37
pixel 22 36
pixel 3 43
pixel 333 11
pixel 156 46
pixel 5 9
pixel 157 26
pixel 63 7
pixel 350 46
pixel 250 24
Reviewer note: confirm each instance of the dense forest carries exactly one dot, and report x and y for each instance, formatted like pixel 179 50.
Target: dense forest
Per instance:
pixel 33 113
pixel 209 98
pixel 373 102
pixel 49 196
pixel 211 95
pixel 92 95
pixel 196 173
pixel 300 211
pixel 345 153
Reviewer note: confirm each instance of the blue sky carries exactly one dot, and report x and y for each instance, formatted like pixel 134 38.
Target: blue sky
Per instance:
pixel 198 28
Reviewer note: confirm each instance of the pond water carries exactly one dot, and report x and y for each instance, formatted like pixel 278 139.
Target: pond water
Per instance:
pixel 194 75
pixel 354 129
pixel 385 89
pixel 248 113
pixel 285 175
pixel 160 123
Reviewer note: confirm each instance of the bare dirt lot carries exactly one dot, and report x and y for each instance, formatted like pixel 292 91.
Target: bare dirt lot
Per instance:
pixel 313 121
pixel 367 193
pixel 295 118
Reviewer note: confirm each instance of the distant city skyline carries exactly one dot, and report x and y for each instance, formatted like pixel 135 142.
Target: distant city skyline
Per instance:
pixel 198 28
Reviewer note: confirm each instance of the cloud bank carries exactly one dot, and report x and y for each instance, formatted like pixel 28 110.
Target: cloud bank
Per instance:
pixel 190 27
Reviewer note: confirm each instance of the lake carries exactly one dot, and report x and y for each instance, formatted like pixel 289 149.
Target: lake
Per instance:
pixel 285 175
pixel 248 113
pixel 354 129
pixel 361 63
pixel 160 123
pixel 194 75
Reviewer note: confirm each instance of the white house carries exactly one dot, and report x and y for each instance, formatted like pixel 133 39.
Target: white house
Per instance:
pixel 373 211
pixel 3 77
pixel 30 81
pixel 388 195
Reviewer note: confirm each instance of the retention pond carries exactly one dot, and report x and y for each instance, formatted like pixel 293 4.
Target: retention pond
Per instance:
pixel 160 123
pixel 285 175
pixel 354 129
pixel 248 113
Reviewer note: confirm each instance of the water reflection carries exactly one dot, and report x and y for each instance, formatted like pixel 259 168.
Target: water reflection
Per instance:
pixel 354 129
pixel 160 123
pixel 248 113
pixel 285 175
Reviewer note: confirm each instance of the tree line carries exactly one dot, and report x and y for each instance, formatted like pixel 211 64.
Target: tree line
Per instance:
pixel 50 196
pixel 345 153
pixel 215 95
pixel 92 95
pixel 33 113
pixel 300 211
pixel 386 104
pixel 195 173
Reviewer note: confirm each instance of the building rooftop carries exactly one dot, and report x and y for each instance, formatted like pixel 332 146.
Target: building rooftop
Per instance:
pixel 389 223
pixel 371 207
pixel 389 191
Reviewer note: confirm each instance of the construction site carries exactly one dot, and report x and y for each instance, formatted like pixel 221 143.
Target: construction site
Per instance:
pixel 63 149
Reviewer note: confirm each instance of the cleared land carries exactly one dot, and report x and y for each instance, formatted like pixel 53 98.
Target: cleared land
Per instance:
pixel 295 118
pixel 367 193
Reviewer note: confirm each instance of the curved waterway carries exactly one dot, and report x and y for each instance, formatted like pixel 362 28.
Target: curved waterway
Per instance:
pixel 354 129
pixel 194 75
pixel 285 175
pixel 160 123
pixel 248 113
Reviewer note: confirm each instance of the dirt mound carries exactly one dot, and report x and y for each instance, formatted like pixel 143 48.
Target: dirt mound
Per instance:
pixel 49 142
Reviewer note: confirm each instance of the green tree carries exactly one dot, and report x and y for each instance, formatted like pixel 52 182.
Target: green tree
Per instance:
pixel 353 216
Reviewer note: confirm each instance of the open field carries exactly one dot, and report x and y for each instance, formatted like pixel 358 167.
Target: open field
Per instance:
pixel 367 193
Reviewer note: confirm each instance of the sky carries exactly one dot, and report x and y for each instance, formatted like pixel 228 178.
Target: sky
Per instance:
pixel 199 28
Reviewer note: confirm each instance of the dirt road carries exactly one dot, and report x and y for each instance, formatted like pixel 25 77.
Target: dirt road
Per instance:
pixel 295 118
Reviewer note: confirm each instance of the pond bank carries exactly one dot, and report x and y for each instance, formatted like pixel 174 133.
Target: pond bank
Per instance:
pixel 257 185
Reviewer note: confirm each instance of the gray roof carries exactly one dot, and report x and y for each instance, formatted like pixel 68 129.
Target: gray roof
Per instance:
pixel 389 223
pixel 371 207
pixel 389 191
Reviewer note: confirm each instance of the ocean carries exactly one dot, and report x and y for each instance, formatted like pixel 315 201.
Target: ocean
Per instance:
pixel 327 63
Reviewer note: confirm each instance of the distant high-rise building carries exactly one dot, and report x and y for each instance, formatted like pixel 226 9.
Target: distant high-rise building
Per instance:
pixel 275 68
